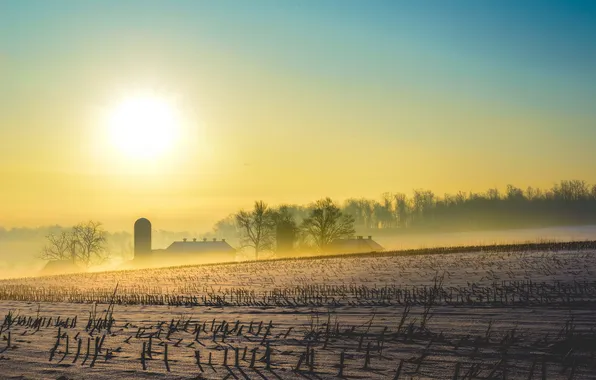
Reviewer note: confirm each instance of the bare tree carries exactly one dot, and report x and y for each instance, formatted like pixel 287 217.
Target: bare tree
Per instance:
pixel 91 242
pixel 494 195
pixel 227 228
pixel 353 206
pixel 60 246
pixel 257 228
pixel 401 209
pixel 383 215
pixel 327 223
pixel 514 193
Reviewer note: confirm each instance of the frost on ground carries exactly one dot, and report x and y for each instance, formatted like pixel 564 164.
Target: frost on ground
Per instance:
pixel 478 315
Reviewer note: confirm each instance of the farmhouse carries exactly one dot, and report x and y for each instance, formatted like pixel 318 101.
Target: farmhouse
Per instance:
pixel 54 267
pixel 355 245
pixel 184 251
pixel 219 250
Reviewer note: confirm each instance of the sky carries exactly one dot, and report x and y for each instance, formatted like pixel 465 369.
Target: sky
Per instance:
pixel 288 102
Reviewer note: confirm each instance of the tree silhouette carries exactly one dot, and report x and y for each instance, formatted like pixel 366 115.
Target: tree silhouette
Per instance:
pixel 90 240
pixel 327 223
pixel 85 243
pixel 227 227
pixel 257 228
pixel 60 246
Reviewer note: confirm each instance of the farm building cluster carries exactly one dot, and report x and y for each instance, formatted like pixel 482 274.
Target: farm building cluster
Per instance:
pixel 218 250
pixel 193 251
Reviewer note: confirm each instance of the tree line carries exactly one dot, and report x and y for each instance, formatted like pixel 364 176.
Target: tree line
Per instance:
pixel 313 227
pixel 566 203
pixel 569 202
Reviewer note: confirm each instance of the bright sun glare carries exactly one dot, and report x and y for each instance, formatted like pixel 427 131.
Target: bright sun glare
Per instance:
pixel 144 127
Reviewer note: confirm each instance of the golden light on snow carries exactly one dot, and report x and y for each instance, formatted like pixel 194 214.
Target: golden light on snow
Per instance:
pixel 143 127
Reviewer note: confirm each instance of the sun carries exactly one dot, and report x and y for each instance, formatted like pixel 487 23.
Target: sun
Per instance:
pixel 143 127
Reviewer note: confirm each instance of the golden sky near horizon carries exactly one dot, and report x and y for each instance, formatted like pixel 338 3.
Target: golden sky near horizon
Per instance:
pixel 292 109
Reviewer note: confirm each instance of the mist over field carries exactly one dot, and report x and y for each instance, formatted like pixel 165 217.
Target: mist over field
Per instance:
pixel 20 248
pixel 564 212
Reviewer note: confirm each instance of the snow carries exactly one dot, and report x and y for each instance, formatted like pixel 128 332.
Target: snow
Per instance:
pixel 331 305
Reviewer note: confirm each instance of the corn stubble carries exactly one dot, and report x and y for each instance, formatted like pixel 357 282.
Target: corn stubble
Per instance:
pixel 477 315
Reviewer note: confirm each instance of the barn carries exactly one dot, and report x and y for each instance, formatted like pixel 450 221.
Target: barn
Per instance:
pixel 55 267
pixel 184 252
pixel 206 250
pixel 355 245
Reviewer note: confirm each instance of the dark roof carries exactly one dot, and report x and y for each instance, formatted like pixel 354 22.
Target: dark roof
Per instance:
pixel 355 245
pixel 200 246
pixel 60 267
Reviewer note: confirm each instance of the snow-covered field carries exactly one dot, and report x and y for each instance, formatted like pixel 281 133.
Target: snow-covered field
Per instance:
pixel 480 315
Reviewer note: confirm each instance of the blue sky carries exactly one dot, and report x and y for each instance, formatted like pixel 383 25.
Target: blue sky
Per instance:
pixel 488 46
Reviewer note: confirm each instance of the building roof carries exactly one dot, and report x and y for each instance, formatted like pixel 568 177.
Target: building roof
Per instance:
pixel 59 267
pixel 200 246
pixel 354 245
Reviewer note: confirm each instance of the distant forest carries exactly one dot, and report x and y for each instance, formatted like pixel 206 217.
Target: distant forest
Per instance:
pixel 570 202
pixel 566 203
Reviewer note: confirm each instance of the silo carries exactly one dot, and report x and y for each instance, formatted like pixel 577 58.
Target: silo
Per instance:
pixel 142 238
pixel 285 236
